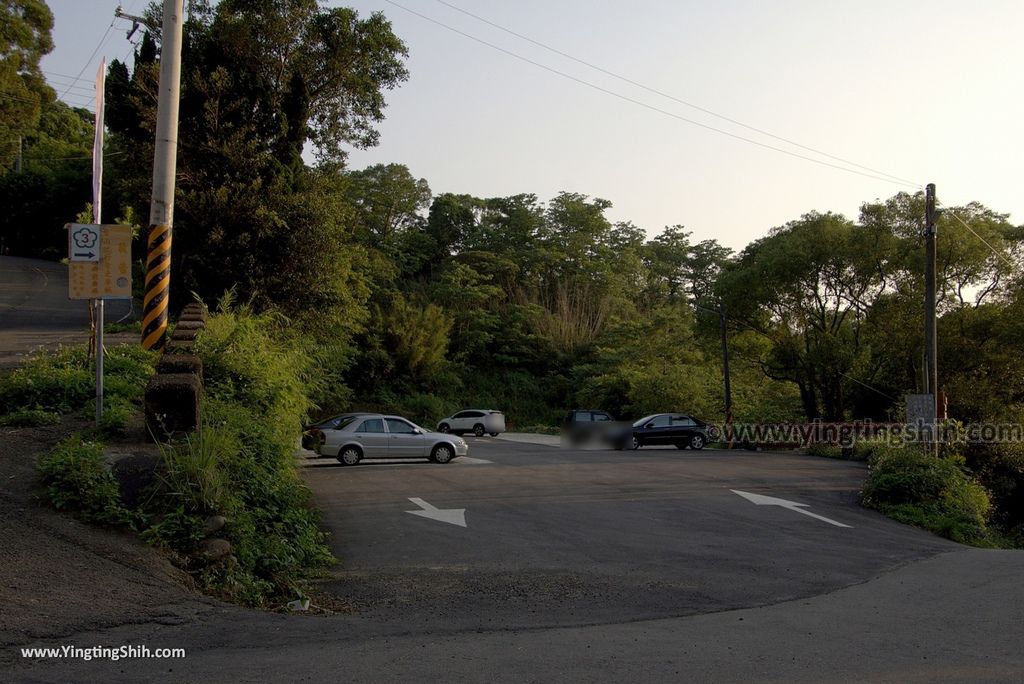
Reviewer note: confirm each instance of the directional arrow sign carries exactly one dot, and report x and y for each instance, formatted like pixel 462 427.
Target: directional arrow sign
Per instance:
pixel 453 516
pixel 762 500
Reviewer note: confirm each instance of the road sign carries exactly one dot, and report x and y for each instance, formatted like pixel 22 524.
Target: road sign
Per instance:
pixel 83 242
pixel 107 274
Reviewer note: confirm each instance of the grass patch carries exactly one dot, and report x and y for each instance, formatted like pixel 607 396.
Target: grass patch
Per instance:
pixel 29 418
pixel 76 479
pixel 64 382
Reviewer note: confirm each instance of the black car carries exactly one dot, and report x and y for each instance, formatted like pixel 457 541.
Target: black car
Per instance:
pixel 313 434
pixel 674 429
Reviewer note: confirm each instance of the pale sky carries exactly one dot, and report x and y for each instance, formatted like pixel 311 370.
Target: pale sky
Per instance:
pixel 926 91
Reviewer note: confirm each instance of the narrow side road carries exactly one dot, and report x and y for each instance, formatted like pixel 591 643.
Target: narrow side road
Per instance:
pixel 35 310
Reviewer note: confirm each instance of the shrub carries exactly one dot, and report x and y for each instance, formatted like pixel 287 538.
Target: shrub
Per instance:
pixel 824 450
pixel 29 418
pixel 76 479
pixel 425 409
pixel 117 415
pixel 240 463
pixel 912 486
pixel 1000 468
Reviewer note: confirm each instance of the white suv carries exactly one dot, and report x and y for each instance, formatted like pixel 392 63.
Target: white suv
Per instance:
pixel 477 421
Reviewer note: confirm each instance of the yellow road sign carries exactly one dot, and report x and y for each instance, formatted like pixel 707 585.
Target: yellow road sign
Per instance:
pixel 111 276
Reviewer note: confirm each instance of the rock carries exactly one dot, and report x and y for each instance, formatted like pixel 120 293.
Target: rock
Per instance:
pixel 214 523
pixel 216 548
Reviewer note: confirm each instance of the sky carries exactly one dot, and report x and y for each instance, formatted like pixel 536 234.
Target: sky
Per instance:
pixel 926 91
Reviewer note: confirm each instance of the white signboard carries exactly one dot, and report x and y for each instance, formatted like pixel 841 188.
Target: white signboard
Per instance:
pixel 83 242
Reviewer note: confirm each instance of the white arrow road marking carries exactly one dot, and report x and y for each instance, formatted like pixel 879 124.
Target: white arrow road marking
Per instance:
pixel 453 516
pixel 762 500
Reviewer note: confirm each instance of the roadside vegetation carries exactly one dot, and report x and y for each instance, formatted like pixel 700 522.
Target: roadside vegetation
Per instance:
pixel 236 473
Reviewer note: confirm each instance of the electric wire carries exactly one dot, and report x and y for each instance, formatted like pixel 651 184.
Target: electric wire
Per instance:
pixel 645 105
pixel 669 96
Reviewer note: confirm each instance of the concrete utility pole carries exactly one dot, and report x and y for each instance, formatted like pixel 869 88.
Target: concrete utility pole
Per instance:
pixel 725 373
pixel 931 347
pixel 165 158
pixel 931 353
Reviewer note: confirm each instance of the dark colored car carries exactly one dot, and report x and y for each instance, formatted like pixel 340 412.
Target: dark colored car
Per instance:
pixel 581 427
pixel 674 429
pixel 313 433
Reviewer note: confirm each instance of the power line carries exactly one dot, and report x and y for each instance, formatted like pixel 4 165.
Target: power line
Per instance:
pixel 644 104
pixel 973 232
pixel 668 96
pixel 99 46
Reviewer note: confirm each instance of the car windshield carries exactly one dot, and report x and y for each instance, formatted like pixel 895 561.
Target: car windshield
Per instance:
pixel 644 420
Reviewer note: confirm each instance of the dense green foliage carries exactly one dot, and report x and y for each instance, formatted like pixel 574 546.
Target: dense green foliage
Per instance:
pixel 76 479
pixel 240 464
pixel 915 487
pixel 25 27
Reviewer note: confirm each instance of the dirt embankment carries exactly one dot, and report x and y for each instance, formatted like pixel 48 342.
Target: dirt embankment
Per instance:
pixel 59 576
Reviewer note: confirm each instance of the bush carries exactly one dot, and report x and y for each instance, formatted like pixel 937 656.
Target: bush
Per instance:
pixel 912 486
pixel 240 464
pixel 1000 468
pixel 117 415
pixel 29 418
pixel 824 450
pixel 76 479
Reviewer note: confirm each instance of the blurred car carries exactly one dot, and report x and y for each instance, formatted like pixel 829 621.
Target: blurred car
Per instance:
pixel 477 421
pixel 374 435
pixel 313 433
pixel 581 427
pixel 675 429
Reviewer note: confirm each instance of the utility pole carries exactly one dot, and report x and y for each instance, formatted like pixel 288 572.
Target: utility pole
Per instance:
pixel 931 348
pixel 165 157
pixel 727 390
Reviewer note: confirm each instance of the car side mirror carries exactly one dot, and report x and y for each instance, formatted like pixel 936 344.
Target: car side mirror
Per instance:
pixel 648 425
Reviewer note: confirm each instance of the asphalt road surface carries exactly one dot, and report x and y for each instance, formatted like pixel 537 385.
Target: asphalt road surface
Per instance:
pixel 605 566
pixel 35 310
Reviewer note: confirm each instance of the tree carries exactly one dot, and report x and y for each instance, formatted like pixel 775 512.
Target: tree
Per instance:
pixel 25 27
pixel 389 201
pixel 808 286
pixel 261 81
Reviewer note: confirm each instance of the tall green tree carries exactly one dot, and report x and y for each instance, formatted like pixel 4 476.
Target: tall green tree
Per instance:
pixel 25 28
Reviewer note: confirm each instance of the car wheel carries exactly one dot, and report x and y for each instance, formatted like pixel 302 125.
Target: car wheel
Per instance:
pixel 634 443
pixel 697 442
pixel 478 430
pixel 444 427
pixel 442 453
pixel 350 456
pixel 493 434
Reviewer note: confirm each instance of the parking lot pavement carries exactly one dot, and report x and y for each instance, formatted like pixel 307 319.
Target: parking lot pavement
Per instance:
pixel 531 438
pixel 562 537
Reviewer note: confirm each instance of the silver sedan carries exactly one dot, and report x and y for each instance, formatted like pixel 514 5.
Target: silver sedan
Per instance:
pixel 373 435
